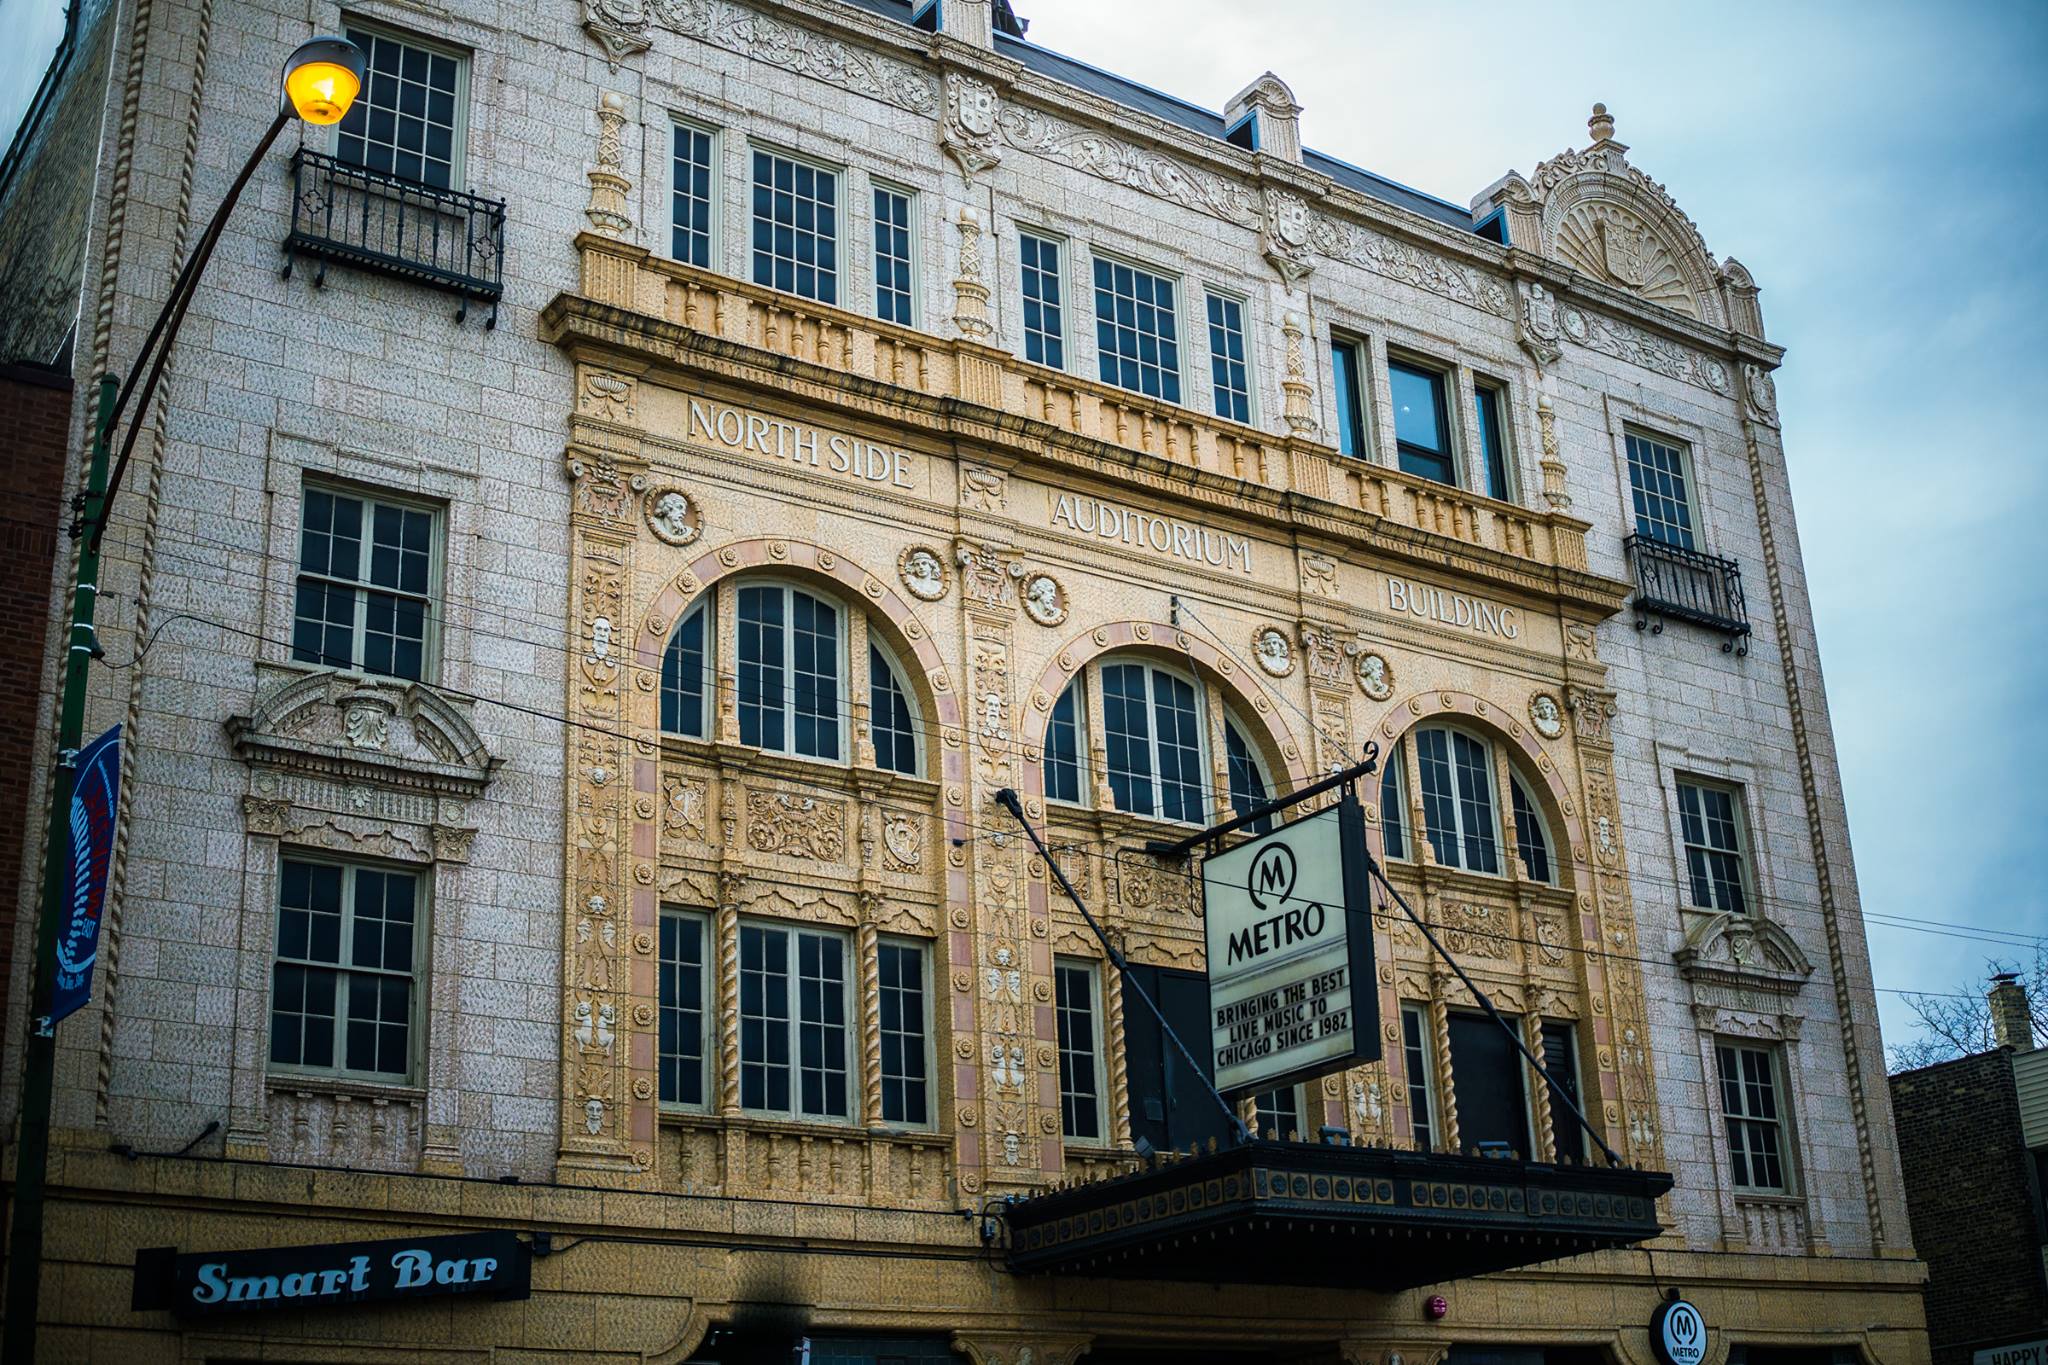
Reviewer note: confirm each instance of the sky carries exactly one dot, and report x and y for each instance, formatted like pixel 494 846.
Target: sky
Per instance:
pixel 1869 163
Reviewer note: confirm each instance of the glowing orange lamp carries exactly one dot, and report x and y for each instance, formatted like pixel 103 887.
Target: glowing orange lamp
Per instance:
pixel 322 78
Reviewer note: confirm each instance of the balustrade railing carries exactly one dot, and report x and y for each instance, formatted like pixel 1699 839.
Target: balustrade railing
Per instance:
pixel 1675 583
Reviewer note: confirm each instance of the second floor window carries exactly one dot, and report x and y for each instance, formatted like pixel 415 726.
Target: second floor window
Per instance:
pixel 1045 324
pixel 407 121
pixel 906 1067
pixel 894 297
pixel 1490 406
pixel 788 671
pixel 1277 1113
pixel 795 1039
pixel 1561 1065
pixel 1656 480
pixel 1228 375
pixel 1750 1109
pixel 1394 804
pixel 1488 1077
pixel 1080 1051
pixel 1422 428
pixel 1710 822
pixel 1247 782
pixel 1532 840
pixel 1457 799
pixel 691 196
pixel 1137 331
pixel 890 720
pixel 341 987
pixel 1153 731
pixel 1415 1058
pixel 796 227
pixel 683 993
pixel 364 597
pixel 1346 369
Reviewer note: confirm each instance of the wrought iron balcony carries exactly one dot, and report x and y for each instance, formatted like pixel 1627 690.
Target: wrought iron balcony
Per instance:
pixel 382 222
pixel 1684 585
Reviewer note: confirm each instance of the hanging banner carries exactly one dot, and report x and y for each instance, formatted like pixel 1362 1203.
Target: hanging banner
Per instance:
pixel 95 793
pixel 1292 994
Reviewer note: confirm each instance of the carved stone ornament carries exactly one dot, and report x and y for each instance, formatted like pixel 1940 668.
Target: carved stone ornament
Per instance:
pixel 984 489
pixel 986 577
pixel 1325 656
pixel 970 289
pixel 672 516
pixel 394 735
pixel 1375 674
pixel 1275 655
pixel 923 573
pixel 1318 575
pixel 969 131
pixel 1762 392
pixel 1539 332
pixel 1300 391
pixel 1045 601
pixel 1546 716
pixel 607 210
pixel 1283 236
pixel 1742 953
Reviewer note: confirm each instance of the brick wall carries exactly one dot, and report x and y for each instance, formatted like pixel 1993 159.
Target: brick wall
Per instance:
pixel 35 426
pixel 1972 1205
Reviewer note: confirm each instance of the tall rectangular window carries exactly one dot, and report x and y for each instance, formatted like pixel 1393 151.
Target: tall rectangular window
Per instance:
pixel 408 119
pixel 895 299
pixel 1394 803
pixel 1487 1076
pixel 1045 321
pixel 794 1029
pixel 691 195
pixel 1656 480
pixel 1561 1065
pixel 1490 404
pixel 906 1084
pixel 1063 749
pixel 680 987
pixel 1137 330
pixel 1749 1106
pixel 342 979
pixel 1421 1098
pixel 1457 799
pixel 1278 1113
pixel 789 671
pixel 1422 427
pixel 1080 1051
pixel 1229 378
pixel 1710 821
pixel 366 583
pixel 1346 369
pixel 796 227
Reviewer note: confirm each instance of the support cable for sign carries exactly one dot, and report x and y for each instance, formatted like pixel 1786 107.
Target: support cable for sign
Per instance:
pixel 1007 798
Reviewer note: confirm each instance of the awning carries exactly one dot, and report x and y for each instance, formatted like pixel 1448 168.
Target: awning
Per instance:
pixel 1309 1214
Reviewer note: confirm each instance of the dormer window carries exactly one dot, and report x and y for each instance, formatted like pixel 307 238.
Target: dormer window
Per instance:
pixel 1245 132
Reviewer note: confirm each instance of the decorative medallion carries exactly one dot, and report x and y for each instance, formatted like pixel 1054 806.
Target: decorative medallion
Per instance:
pixel 672 516
pixel 1045 601
pixel 923 572
pixel 1375 677
pixel 1546 716
pixel 1275 655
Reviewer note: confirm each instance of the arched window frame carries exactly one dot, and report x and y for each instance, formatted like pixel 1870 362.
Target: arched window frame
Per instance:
pixel 1505 772
pixel 1241 758
pixel 914 718
pixel 1531 830
pixel 672 664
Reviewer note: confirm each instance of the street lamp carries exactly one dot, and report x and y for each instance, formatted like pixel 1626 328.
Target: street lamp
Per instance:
pixel 319 82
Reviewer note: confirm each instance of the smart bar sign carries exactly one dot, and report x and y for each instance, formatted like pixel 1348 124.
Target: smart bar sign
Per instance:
pixel 496 1264
pixel 1291 985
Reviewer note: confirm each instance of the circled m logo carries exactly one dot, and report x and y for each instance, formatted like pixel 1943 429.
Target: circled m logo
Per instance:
pixel 1271 878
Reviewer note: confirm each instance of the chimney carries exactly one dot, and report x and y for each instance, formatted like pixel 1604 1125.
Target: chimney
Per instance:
pixel 2012 1023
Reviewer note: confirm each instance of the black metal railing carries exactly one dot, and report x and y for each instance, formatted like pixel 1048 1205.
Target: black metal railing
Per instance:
pixel 382 222
pixel 1686 585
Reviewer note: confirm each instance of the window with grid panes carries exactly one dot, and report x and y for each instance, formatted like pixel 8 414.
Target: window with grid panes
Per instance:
pixel 1277 1113
pixel 342 980
pixel 366 581
pixel 1422 427
pixel 894 298
pixel 1710 821
pixel 691 195
pixel 1063 748
pixel 1229 379
pixel 682 995
pixel 1457 798
pixel 1080 1051
pixel 1749 1107
pixel 1247 778
pixel 795 1035
pixel 1045 325
pixel 891 722
pixel 796 227
pixel 1490 405
pixel 1656 480
pixel 1152 728
pixel 906 1085
pixel 1346 368
pixel 407 119
pixel 1415 1058
pixel 789 671
pixel 1394 803
pixel 1532 840
pixel 685 675
pixel 1137 331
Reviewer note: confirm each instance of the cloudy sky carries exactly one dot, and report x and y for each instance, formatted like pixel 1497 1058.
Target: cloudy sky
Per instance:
pixel 1870 164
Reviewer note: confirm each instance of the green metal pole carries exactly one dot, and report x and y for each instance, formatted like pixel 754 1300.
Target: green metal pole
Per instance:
pixel 38 1072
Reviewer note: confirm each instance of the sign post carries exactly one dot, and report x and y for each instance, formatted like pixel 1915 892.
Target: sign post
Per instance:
pixel 1292 990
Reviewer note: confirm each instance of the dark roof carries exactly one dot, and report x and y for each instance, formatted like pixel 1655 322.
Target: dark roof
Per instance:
pixel 1072 71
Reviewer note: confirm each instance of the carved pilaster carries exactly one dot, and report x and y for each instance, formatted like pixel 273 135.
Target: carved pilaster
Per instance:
pixel 1300 409
pixel 607 210
pixel 970 289
pixel 728 932
pixel 1553 461
pixel 1546 1131
pixel 868 949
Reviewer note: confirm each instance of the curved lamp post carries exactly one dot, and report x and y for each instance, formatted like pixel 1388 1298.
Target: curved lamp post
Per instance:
pixel 320 81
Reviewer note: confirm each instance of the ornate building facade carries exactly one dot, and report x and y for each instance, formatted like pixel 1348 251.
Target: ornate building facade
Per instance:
pixel 639 488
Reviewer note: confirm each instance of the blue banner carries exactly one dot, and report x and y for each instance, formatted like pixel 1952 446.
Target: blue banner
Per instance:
pixel 95 793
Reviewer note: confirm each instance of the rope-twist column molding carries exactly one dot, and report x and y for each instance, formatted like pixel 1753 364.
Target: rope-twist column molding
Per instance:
pixel 111 924
pixel 1119 1063
pixel 728 930
pixel 1546 1127
pixel 1795 702
pixel 867 943
pixel 1440 1032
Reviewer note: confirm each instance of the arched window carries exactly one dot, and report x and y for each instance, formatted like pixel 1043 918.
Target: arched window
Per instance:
pixel 793 677
pixel 1160 733
pixel 1532 840
pixel 891 721
pixel 686 676
pixel 1394 803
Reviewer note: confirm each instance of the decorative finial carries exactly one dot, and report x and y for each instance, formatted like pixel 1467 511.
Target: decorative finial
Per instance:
pixel 1601 125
